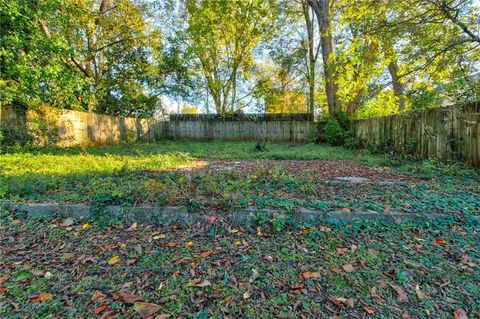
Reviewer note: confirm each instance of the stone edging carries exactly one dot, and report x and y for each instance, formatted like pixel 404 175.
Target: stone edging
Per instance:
pixel 179 215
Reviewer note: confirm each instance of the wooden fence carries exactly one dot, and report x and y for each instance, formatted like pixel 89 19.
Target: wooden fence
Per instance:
pixel 260 129
pixel 446 133
pixel 67 128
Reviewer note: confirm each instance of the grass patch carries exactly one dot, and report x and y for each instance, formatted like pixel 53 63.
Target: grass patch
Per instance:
pixel 148 174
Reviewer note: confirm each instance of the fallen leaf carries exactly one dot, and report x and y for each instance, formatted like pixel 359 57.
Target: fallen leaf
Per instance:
pixel 204 283
pixel 172 244
pixel 207 253
pixel 129 298
pixel 37 272
pixel 350 303
pixel 130 262
pixel 108 246
pixel 420 294
pixel 190 244
pixel 348 268
pixel 48 275
pixel 211 219
pixel 309 275
pixel 146 309
pixel 100 309
pixel 3 291
pixel 296 287
pixel 460 314
pixel 246 295
pixel 3 278
pixel 337 300
pixel 85 226
pixel 440 241
pixel 113 260
pixel 401 294
pixel 369 309
pixel 162 316
pixel 237 243
pixel 42 297
pixel 98 295
pixel 110 315
pixel 161 236
pixel 67 222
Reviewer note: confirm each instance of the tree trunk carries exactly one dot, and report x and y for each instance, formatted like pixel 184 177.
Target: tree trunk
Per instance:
pixel 234 90
pixel 397 85
pixel 311 59
pixel 398 89
pixel 354 104
pixel 322 11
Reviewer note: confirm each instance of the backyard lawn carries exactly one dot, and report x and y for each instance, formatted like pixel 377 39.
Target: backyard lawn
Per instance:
pixel 56 268
pixel 225 176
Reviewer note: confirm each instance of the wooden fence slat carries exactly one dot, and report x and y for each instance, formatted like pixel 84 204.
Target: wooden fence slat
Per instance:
pixel 449 132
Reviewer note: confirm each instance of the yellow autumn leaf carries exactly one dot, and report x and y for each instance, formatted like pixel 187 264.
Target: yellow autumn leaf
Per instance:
pixel 190 244
pixel 85 226
pixel 113 260
pixel 237 243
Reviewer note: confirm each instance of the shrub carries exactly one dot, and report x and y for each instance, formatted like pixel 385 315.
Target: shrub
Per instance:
pixel 410 146
pixel 333 132
pixel 382 146
pixel 352 142
pixel 11 136
pixel 343 120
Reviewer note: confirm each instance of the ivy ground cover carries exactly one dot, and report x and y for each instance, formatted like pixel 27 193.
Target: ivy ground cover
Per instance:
pixel 55 268
pixel 61 269
pixel 227 176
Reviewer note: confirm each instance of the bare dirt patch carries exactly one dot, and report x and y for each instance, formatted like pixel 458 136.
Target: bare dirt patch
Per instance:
pixel 313 169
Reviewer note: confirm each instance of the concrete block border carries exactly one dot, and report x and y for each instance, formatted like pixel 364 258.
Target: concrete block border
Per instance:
pixel 169 215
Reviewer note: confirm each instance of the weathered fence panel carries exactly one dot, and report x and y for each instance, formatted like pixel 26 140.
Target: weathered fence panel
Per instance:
pixel 68 128
pixel 446 133
pixel 263 130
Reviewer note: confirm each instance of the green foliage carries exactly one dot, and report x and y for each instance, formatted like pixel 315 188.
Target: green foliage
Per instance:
pixel 274 257
pixel 333 132
pixel 13 136
pixel 221 36
pixel 382 146
pixel 166 174
pixel 79 55
pixel 352 142
pixel 118 56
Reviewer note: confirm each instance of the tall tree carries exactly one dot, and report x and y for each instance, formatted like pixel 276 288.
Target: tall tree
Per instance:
pixel 222 35
pixel 324 20
pixel 97 55
pixel 311 53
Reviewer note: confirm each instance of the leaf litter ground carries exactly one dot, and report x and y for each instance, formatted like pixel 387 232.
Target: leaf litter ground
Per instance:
pixel 97 270
pixel 66 269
